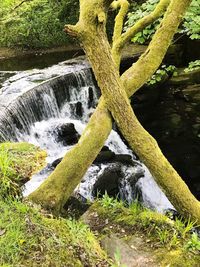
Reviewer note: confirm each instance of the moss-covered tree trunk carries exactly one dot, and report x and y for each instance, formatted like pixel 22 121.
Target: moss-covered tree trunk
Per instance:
pixel 91 31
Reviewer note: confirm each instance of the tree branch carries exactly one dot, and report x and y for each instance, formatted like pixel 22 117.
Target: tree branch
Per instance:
pixel 119 43
pixel 119 20
pixel 148 63
pixel 144 22
pixel 72 30
pixel 21 3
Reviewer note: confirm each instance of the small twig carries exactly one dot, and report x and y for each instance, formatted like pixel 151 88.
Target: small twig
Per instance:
pixel 20 4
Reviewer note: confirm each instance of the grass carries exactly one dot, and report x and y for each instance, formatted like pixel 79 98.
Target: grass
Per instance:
pixel 164 236
pixel 30 238
pixel 18 161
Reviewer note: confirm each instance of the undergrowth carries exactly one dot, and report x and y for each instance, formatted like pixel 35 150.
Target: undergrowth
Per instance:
pixel 29 238
pixel 164 235
pixel 18 161
pixel 193 65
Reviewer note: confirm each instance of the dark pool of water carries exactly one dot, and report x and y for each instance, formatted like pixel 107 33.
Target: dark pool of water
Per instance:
pixel 38 61
pixel 172 117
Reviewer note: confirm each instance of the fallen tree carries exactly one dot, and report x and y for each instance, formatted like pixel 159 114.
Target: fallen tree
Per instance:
pixel 90 30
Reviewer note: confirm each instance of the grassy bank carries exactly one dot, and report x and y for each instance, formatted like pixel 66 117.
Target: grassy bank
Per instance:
pixel 30 236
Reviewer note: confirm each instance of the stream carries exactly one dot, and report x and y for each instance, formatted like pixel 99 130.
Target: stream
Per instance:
pixel 49 107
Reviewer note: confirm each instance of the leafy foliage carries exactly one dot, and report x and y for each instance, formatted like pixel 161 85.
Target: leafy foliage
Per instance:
pixel 137 12
pixel 194 243
pixel 35 23
pixel 162 73
pixel 190 25
pixel 193 65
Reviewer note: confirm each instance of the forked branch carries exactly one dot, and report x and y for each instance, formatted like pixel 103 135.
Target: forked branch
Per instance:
pixel 119 43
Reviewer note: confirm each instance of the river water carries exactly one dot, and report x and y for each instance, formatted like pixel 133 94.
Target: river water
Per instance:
pixel 34 106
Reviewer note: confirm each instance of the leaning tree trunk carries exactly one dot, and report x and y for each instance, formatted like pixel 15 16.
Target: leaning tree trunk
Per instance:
pixel 59 186
pixel 91 31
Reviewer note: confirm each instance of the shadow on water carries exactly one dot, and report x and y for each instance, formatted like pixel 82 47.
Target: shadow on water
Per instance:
pixel 173 119
pixel 39 61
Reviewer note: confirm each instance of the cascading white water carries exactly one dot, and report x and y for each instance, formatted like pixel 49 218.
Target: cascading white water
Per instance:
pixel 36 115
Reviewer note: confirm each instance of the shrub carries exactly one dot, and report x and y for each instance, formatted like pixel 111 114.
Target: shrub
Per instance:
pixel 36 24
pixel 190 25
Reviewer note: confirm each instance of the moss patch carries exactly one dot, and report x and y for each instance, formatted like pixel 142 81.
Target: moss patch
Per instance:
pixel 18 161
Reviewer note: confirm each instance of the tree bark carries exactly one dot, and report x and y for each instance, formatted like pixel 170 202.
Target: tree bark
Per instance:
pixel 54 192
pixel 91 31
pixel 94 39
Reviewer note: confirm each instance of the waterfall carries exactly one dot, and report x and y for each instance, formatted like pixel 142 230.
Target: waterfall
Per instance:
pixel 41 114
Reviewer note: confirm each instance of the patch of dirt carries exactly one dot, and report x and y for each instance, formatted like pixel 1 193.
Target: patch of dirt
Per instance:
pixel 118 242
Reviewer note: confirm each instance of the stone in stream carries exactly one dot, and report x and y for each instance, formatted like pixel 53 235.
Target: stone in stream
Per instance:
pixel 106 155
pixel 118 180
pixel 55 163
pixel 91 98
pixel 79 109
pixel 108 181
pixel 66 134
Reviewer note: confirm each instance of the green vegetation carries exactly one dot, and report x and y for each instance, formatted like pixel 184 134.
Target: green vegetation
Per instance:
pixel 165 236
pixel 29 238
pixel 18 161
pixel 193 65
pixel 137 12
pixel 34 23
pixel 190 25
pixel 39 24
pixel 162 73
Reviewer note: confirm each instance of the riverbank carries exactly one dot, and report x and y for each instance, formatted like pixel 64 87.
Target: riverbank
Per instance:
pixel 7 53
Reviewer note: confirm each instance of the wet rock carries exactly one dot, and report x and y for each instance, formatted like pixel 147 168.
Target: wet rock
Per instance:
pixel 75 207
pixel 192 92
pixel 79 109
pixel 90 97
pixel 108 156
pixel 55 163
pixel 124 159
pixel 104 156
pixel 186 78
pixel 66 134
pixel 172 214
pixel 108 181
